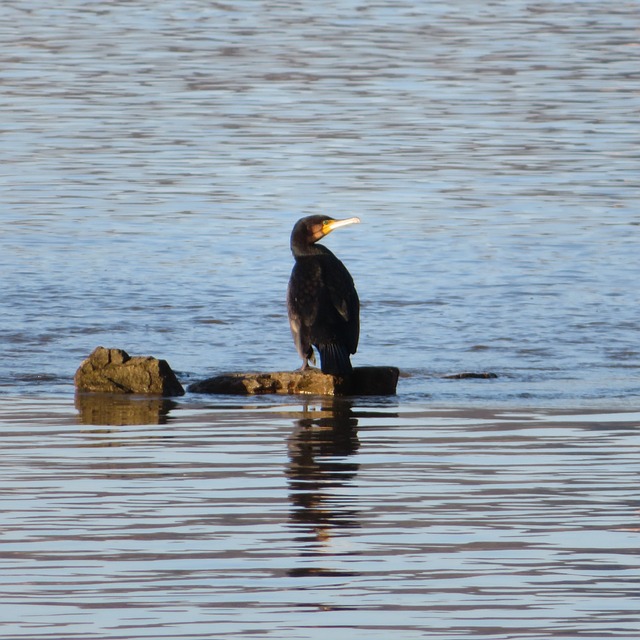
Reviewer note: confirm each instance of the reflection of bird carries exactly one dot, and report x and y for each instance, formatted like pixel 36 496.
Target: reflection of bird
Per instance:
pixel 321 472
pixel 324 310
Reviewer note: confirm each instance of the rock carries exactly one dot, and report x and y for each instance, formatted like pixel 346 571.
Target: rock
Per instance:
pixel 374 381
pixel 364 381
pixel 468 374
pixel 114 371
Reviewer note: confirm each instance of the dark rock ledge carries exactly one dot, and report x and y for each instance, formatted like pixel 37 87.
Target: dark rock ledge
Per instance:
pixel 115 371
pixel 371 381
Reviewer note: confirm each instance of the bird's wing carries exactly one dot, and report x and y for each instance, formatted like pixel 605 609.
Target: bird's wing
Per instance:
pixel 344 299
pixel 303 296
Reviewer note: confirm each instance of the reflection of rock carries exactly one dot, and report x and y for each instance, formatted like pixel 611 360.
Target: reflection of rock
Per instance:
pixel 119 410
pixel 364 381
pixel 114 371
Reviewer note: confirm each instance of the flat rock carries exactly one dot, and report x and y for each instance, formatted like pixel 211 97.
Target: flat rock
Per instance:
pixel 115 371
pixel 370 381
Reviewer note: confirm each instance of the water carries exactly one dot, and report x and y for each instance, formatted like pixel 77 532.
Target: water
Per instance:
pixel 298 520
pixel 155 157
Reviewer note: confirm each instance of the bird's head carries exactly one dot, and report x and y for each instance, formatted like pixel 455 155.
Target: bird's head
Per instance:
pixel 312 228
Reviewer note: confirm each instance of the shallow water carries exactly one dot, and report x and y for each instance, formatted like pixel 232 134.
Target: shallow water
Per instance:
pixel 294 520
pixel 155 157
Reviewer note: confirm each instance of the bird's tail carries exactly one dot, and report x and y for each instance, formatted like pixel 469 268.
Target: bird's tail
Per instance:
pixel 334 359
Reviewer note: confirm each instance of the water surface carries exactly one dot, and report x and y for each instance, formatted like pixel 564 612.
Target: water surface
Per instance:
pixel 294 520
pixel 155 156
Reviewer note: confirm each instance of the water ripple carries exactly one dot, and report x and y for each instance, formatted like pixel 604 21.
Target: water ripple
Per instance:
pixel 300 519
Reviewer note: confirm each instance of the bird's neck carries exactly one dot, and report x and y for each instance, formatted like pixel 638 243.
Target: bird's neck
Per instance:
pixel 308 250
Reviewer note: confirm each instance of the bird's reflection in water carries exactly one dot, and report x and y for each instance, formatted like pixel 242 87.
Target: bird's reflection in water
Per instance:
pixel 319 469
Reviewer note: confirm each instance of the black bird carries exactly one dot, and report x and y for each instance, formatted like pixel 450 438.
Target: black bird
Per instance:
pixel 324 310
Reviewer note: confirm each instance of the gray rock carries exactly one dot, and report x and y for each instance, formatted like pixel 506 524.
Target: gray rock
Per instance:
pixel 364 381
pixel 115 371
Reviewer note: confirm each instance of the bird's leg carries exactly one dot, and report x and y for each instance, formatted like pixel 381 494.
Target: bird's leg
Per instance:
pixel 309 358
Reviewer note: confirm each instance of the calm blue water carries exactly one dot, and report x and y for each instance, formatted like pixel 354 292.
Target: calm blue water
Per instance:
pixel 155 156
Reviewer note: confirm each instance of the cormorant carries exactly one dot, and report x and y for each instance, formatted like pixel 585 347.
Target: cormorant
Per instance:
pixel 324 310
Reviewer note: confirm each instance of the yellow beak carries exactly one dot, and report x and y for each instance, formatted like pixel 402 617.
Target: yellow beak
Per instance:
pixel 330 225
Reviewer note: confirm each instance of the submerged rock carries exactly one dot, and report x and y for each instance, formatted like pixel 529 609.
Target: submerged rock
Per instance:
pixel 115 371
pixel 364 381
pixel 471 374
